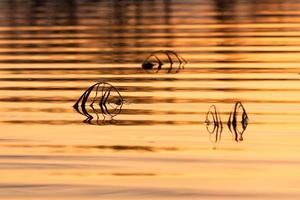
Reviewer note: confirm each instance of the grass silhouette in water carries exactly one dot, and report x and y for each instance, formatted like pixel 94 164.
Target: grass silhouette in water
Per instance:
pixel 214 124
pixel 157 59
pixel 238 121
pixel 100 98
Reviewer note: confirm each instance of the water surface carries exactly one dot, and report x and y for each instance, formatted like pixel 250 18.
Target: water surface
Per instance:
pixel 158 147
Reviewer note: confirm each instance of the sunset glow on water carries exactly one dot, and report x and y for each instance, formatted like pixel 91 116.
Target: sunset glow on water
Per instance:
pixel 149 131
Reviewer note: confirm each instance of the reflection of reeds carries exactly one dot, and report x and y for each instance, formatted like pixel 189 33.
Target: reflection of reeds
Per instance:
pixel 101 94
pixel 155 61
pixel 213 119
pixel 236 125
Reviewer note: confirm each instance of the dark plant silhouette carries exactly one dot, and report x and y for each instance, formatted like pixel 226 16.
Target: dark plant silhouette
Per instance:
pixel 238 121
pixel 170 59
pixel 214 124
pixel 100 98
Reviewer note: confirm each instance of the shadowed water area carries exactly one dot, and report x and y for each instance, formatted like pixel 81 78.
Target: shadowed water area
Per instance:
pixel 224 125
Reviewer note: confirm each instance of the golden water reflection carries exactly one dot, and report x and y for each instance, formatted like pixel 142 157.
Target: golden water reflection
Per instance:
pixel 157 147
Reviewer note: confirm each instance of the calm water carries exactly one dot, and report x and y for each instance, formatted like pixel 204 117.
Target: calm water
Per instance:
pixel 158 147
